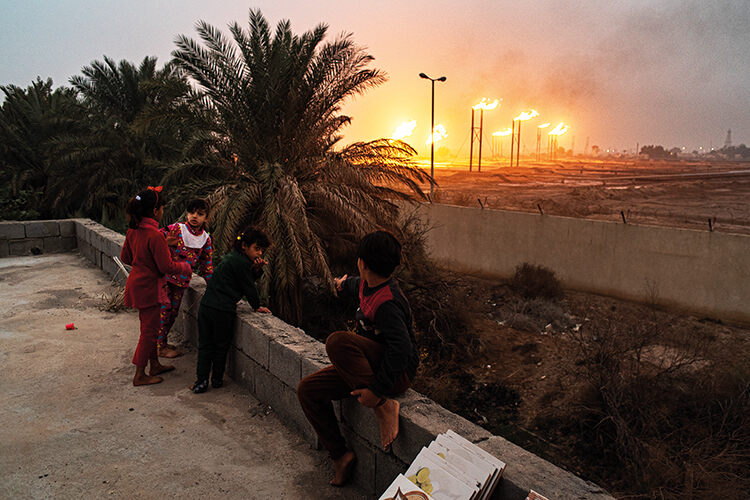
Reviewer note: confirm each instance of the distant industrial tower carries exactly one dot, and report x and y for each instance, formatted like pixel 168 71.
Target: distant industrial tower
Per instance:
pixel 728 142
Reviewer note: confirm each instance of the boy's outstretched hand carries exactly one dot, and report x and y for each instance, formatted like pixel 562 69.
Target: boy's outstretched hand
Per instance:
pixel 366 397
pixel 339 282
pixel 263 309
pixel 173 241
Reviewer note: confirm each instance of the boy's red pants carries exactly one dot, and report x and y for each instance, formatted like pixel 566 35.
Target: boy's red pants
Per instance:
pixel 355 360
pixel 150 321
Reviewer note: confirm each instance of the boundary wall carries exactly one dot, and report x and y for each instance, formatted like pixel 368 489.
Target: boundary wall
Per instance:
pixel 269 357
pixel 700 271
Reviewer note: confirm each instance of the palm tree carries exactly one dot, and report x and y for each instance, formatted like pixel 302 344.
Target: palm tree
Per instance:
pixel 127 146
pixel 31 122
pixel 276 99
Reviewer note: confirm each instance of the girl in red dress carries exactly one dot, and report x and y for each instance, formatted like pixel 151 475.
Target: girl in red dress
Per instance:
pixel 146 250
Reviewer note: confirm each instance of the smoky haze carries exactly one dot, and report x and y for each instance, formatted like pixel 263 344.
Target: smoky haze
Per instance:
pixel 619 73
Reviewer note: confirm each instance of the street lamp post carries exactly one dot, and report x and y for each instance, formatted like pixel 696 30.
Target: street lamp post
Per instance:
pixel 432 129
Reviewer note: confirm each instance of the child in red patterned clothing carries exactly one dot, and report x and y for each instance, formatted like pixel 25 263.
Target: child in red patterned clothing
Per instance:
pixel 189 242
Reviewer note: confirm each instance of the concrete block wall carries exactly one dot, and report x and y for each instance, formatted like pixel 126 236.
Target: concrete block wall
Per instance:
pixel 700 271
pixel 19 238
pixel 269 357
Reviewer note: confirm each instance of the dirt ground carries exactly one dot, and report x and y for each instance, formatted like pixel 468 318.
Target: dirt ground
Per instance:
pixel 678 194
pixel 521 377
pixel 73 426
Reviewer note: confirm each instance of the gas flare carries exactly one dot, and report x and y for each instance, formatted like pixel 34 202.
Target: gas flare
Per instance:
pixel 438 134
pixel 404 130
pixel 486 105
pixel 526 115
pixel 545 125
pixel 503 133
pixel 560 129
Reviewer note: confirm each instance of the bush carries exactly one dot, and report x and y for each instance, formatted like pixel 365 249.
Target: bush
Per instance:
pixel 536 282
pixel 669 416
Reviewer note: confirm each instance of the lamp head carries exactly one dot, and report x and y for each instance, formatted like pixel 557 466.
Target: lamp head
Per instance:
pixel 441 79
pixel 422 75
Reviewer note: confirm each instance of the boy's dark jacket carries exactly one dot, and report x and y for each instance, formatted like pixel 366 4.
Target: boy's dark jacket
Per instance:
pixel 384 316
pixel 233 279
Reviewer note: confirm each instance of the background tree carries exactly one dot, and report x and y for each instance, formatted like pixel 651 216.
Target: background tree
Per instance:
pixel 270 158
pixel 31 122
pixel 128 144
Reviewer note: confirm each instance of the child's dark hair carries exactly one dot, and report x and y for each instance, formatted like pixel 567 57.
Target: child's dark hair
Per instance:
pixel 381 252
pixel 251 235
pixel 197 204
pixel 144 204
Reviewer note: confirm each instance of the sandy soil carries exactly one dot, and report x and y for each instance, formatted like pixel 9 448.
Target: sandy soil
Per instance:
pixel 73 426
pixel 680 194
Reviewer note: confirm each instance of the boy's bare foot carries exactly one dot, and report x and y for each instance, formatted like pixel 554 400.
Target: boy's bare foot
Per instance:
pixel 157 369
pixel 343 468
pixel 145 380
pixel 387 415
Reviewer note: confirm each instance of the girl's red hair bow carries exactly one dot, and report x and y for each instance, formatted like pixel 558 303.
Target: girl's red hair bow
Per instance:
pixel 156 188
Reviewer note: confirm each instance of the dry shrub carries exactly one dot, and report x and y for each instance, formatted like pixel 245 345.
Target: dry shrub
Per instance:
pixel 675 425
pixel 436 298
pixel 536 282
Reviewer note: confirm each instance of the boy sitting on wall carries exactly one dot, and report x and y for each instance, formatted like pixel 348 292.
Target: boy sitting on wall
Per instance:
pixel 375 364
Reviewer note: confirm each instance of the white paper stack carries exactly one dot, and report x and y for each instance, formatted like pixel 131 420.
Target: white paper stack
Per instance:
pixel 452 468
pixel 403 489
pixel 533 495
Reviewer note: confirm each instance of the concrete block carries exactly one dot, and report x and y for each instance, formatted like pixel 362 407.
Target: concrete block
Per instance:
pixel 86 250
pixel 360 420
pixel 25 246
pixel 42 228
pixel 422 420
pixel 252 341
pixel 284 363
pixel 364 471
pixel 68 243
pixel 67 227
pixel 316 360
pixel 290 412
pixel 268 389
pixel 112 242
pixel 11 230
pixel 52 244
pixel 387 467
pixel 189 328
pixel 527 471
pixel 97 258
pixel 242 369
pixel 96 239
pixel 192 299
pixel 177 326
pixel 4 248
pixel 83 229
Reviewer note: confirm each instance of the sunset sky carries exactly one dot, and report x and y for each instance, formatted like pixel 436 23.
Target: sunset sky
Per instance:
pixel 675 73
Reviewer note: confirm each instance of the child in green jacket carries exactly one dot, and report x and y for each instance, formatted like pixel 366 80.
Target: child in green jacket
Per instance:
pixel 233 279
